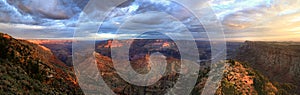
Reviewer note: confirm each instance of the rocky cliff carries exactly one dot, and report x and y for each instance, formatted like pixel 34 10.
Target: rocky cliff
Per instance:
pixel 27 68
pixel 62 49
pixel 279 61
pixel 240 79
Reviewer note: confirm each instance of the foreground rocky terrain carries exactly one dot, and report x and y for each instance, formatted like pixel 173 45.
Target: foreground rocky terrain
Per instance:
pixel 238 79
pixel 27 68
pixel 241 79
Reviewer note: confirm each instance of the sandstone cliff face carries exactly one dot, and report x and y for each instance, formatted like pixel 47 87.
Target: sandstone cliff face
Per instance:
pixel 279 61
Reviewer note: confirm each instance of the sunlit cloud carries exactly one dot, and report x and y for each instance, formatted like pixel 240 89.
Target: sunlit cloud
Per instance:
pixel 264 21
pixel 241 20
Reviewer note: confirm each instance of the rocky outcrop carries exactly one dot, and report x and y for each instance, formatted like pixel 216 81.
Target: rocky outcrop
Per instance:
pixel 62 49
pixel 240 79
pixel 279 61
pixel 119 86
pixel 28 68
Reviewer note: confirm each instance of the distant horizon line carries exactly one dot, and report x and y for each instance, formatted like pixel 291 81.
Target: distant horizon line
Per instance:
pixel 68 39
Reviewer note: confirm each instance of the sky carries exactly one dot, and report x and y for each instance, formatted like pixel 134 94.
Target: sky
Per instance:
pixel 263 20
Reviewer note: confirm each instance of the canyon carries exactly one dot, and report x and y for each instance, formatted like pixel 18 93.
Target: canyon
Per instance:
pixel 279 61
pixel 252 67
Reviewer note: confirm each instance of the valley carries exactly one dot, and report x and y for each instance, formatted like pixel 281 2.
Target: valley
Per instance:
pixel 261 68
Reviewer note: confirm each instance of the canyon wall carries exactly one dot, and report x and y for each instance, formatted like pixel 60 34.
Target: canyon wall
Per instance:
pixel 279 61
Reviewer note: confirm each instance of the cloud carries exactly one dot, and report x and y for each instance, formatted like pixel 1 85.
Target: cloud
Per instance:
pixel 263 21
pixel 151 21
pixel 35 31
pixel 241 19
